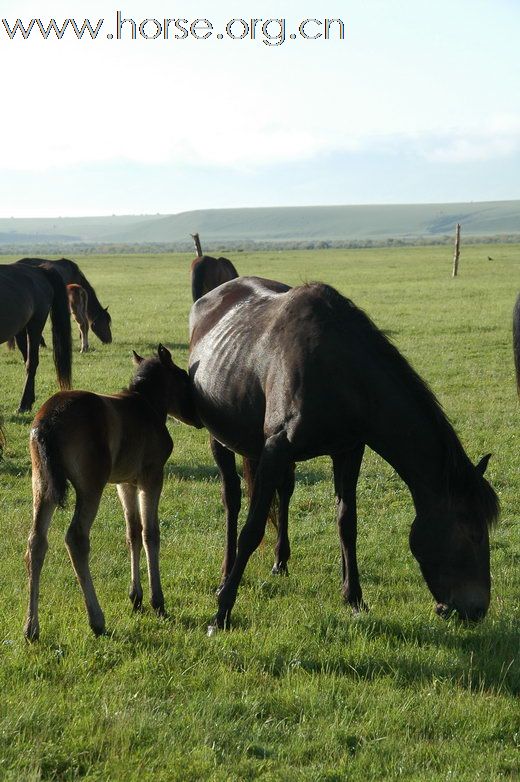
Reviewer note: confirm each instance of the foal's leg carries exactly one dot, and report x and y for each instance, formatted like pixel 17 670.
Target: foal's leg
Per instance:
pixel 83 328
pixel 36 549
pixel 78 544
pixel 283 549
pixel 149 493
pixel 346 473
pixel 134 538
pixel 275 459
pixel 231 499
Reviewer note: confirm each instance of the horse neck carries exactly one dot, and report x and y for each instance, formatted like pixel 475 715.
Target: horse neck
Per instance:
pixel 422 446
pixel 154 395
pixel 94 308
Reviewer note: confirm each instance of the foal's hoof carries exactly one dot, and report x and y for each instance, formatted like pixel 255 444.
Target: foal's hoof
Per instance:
pixel 212 630
pixel 280 569
pixel 136 598
pixel 98 630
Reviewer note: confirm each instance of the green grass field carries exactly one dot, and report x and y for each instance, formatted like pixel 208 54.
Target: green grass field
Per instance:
pixel 299 689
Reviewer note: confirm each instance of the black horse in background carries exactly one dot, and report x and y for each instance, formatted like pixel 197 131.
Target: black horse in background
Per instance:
pixel 282 375
pixel 99 318
pixel 516 340
pixel 27 295
pixel 208 273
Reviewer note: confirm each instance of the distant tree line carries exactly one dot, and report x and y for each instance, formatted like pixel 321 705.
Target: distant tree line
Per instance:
pixel 220 248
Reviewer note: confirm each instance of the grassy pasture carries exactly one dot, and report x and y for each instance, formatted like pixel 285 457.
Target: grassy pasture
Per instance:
pixel 299 690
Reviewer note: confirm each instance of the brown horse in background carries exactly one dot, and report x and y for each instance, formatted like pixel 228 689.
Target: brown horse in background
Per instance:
pixel 99 319
pixel 27 295
pixel 78 303
pixel 283 375
pixel 90 440
pixel 208 273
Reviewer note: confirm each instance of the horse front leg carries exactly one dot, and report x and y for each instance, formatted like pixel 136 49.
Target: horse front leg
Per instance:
pixel 283 549
pixel 149 493
pixel 134 538
pixel 275 458
pixel 346 473
pixel 231 499
pixel 34 332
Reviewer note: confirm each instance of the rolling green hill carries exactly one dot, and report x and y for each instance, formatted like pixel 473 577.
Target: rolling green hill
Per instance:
pixel 274 224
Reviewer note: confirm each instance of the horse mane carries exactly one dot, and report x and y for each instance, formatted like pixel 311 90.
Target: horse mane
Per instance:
pixel 462 479
pixel 516 340
pixel 93 303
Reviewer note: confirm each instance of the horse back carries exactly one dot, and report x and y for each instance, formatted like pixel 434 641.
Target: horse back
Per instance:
pixel 102 439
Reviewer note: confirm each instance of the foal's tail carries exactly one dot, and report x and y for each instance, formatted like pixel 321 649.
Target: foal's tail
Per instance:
pixel 61 330
pixel 47 465
pixel 516 340
pixel 249 470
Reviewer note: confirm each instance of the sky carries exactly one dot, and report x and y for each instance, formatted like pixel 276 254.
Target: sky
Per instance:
pixel 419 103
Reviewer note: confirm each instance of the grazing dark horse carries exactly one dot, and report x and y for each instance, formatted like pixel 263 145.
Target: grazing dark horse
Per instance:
pixel 283 375
pixel 27 295
pixel 208 273
pixel 98 317
pixel 90 440
pixel 78 304
pixel 516 340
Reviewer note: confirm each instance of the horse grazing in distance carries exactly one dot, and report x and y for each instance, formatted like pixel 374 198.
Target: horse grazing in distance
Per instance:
pixel 78 303
pixel 90 440
pixel 516 340
pixel 27 295
pixel 208 273
pixel 99 318
pixel 284 374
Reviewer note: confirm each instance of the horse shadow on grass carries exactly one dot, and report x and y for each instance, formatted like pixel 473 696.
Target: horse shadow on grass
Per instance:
pixel 208 472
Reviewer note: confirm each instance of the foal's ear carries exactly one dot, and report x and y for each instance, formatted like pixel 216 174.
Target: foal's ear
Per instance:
pixel 481 467
pixel 137 358
pixel 165 356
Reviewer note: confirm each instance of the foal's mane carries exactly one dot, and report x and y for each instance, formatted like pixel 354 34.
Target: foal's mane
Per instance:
pixel 462 480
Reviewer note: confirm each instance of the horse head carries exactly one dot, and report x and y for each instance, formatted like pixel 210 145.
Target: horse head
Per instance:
pixel 101 326
pixel 451 544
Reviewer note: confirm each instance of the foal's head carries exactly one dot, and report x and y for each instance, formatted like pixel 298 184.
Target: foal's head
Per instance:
pixel 101 326
pixel 174 384
pixel 451 545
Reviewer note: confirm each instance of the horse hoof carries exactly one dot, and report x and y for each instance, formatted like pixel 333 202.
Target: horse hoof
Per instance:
pixel 136 600
pixel 212 630
pixel 280 569
pixel 31 634
pixel 98 630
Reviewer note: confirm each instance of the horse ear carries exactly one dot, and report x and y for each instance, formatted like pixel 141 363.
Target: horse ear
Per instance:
pixel 106 309
pixel 483 463
pixel 165 355
pixel 137 358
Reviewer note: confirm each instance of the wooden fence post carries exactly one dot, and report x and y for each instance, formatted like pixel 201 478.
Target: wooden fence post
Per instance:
pixel 456 254
pixel 198 246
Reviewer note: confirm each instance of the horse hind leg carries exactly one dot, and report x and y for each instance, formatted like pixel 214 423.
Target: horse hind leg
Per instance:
pixel 346 473
pixel 134 538
pixel 231 499
pixel 283 548
pixel 78 544
pixel 37 546
pixel 275 460
pixel 32 358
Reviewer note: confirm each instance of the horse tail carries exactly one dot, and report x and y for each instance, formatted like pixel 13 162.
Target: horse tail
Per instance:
pixel 249 471
pixel 61 330
pixel 197 278
pixel 516 340
pixel 47 463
